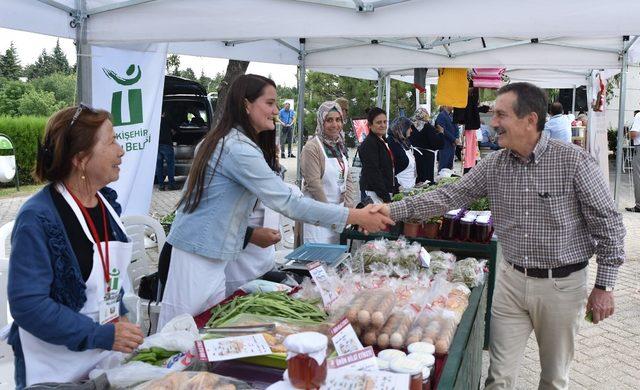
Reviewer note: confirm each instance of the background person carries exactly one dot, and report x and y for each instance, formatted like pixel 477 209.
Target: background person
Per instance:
pixel 426 140
pixel 324 167
pixel 552 210
pixel 558 126
pixel 165 154
pixel 634 136
pixel 404 161
pixel 287 117
pixel 451 134
pixel 229 174
pixel 377 175
pixel 59 278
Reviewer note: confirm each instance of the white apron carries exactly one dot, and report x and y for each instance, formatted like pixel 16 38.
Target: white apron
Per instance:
pixel 47 362
pixel 253 261
pixel 334 185
pixel 407 178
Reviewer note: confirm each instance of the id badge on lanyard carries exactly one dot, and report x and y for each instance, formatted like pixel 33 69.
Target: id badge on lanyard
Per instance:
pixel 110 305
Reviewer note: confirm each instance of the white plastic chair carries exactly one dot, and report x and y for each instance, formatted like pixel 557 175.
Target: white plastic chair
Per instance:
pixel 5 237
pixel 148 238
pixel 143 230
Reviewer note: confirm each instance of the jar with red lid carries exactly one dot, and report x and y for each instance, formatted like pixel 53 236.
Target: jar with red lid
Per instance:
pixel 306 359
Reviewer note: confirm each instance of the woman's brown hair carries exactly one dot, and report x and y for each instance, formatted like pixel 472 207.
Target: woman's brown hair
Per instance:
pixel 64 138
pixel 246 87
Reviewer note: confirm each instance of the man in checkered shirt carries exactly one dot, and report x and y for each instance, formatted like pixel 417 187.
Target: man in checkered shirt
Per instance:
pixel 552 211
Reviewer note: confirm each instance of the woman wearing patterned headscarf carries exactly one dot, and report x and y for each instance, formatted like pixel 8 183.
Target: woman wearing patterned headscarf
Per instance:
pixel 403 158
pixel 426 140
pixel 324 167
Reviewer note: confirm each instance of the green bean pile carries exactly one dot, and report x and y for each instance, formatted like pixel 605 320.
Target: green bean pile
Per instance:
pixel 275 304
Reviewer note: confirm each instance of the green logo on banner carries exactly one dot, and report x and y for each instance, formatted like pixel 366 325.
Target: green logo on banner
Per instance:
pixel 134 96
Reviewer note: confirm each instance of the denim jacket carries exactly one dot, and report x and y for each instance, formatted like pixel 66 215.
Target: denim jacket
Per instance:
pixel 216 228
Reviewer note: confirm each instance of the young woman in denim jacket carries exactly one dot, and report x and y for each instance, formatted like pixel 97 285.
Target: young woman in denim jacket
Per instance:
pixel 229 174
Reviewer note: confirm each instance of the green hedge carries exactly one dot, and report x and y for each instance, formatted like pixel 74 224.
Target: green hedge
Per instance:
pixel 24 131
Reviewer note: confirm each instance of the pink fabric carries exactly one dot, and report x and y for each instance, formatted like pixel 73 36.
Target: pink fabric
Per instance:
pixel 488 77
pixel 471 151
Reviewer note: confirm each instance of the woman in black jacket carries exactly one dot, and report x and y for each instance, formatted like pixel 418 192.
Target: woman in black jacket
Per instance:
pixel 377 175
pixel 426 139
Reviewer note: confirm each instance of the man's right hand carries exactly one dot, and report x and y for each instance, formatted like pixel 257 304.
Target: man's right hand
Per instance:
pixel 265 237
pixel 127 337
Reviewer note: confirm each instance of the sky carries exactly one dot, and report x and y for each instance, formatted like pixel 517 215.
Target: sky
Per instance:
pixel 30 45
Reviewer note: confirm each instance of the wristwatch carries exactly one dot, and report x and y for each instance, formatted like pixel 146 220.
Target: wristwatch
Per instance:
pixel 604 288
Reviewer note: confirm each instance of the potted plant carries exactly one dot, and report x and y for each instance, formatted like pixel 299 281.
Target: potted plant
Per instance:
pixel 431 227
pixel 412 228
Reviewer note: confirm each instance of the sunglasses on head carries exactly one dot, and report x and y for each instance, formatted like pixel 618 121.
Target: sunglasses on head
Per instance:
pixel 76 115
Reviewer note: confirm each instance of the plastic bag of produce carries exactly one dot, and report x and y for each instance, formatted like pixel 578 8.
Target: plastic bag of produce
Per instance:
pixel 193 381
pixel 469 271
pixel 441 263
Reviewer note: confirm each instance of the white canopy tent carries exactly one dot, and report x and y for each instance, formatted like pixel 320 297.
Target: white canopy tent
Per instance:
pixel 385 34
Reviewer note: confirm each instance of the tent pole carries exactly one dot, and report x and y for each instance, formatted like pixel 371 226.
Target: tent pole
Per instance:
pixel 573 102
pixel 380 90
pixel 387 94
pixel 83 54
pixel 428 98
pixel 619 151
pixel 300 118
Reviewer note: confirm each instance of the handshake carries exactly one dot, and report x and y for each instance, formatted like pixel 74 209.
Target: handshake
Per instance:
pixel 372 218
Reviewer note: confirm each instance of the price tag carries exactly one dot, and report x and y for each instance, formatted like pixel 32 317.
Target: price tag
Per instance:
pixel 319 275
pixel 228 348
pixel 425 258
pixel 344 338
pixel 363 359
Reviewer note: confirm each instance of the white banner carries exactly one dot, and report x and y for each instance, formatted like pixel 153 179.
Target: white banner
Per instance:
pixel 129 84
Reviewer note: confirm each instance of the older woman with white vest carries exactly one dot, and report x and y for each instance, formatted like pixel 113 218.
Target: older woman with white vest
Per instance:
pixel 324 167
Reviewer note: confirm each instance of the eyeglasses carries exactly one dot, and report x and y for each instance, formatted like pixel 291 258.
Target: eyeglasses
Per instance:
pixel 79 110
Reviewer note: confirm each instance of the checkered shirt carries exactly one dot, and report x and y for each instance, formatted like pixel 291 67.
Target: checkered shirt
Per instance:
pixel 550 211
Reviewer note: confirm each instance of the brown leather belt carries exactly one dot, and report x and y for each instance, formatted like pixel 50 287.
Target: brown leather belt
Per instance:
pixel 544 273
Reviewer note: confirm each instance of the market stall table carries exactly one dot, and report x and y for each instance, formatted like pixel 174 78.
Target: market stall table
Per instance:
pixel 491 251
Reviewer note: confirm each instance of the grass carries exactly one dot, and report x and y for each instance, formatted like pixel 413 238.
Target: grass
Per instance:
pixel 10 192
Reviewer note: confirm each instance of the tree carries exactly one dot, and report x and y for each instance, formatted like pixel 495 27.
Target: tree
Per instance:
pixel 10 63
pixel 59 61
pixel 10 95
pixel 39 103
pixel 173 64
pixel 235 68
pixel 285 92
pixel 63 87
pixel 188 74
pixel 211 84
pixel 43 66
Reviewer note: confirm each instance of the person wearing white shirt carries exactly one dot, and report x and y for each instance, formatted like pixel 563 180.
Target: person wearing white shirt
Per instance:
pixel 558 125
pixel 634 136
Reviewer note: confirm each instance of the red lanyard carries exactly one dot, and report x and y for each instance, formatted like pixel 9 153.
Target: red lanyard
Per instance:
pixel 339 158
pixel 104 257
pixel 393 160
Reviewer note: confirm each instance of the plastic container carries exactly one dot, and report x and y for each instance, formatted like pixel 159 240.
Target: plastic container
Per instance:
pixel 483 228
pixel 411 367
pixel 306 359
pixel 421 347
pixel 466 227
pixel 450 222
pixel 391 354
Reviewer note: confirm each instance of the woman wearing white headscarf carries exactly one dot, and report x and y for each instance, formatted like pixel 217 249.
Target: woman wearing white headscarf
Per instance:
pixel 324 167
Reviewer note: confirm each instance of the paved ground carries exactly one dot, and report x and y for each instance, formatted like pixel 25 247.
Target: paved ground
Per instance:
pixel 607 355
